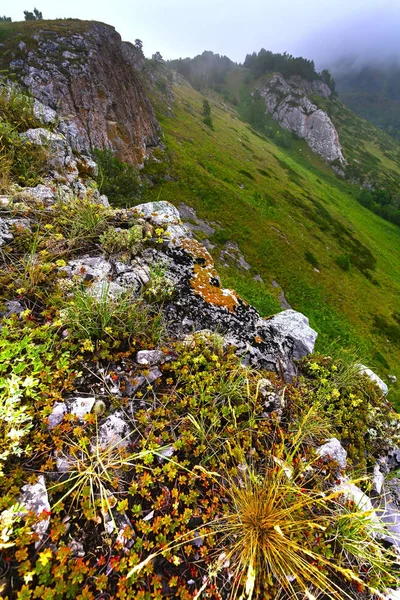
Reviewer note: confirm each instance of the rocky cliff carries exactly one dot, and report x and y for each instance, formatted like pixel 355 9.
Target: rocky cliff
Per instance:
pixel 92 78
pixel 288 103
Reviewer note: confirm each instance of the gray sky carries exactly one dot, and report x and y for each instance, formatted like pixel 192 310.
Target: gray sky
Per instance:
pixel 317 29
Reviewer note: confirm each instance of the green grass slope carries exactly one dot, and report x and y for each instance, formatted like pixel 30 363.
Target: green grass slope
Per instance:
pixel 295 222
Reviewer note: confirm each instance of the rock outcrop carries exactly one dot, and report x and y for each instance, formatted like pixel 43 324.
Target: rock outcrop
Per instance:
pixel 288 103
pixel 86 74
pixel 199 302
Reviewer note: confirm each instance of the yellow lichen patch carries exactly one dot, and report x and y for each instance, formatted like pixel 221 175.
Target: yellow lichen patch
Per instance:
pixel 210 293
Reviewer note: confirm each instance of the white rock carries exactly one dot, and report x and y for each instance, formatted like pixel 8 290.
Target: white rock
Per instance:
pixel 60 153
pixel 35 499
pixel 57 415
pixel 160 212
pixel 363 504
pixel 333 450
pixel 379 479
pixel 114 431
pixel 392 594
pixel 42 192
pixel 164 213
pixel 374 377
pixel 89 268
pixel 81 406
pixel 294 325
pixel 150 357
pixel 153 375
pixel 44 113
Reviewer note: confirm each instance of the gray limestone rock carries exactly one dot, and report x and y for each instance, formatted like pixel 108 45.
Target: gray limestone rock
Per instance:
pixel 92 81
pixel 57 414
pixel 114 431
pixel 43 193
pixel 288 104
pixel 6 224
pixel 5 233
pixel 153 375
pixel 60 155
pixel 89 268
pixel 43 113
pixel 81 406
pixel 150 357
pixel 164 213
pixel 333 450
pixel 34 498
pixel 374 377
pixel 294 325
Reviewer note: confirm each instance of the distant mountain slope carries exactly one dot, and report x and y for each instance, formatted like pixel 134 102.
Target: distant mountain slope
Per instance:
pixel 373 92
pixel 297 225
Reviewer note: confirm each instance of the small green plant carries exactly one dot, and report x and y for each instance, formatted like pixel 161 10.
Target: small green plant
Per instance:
pixel 160 288
pixel 361 417
pixel 15 419
pixel 89 219
pixel 31 363
pixel 20 161
pixel 17 108
pixel 94 472
pixel 122 241
pixel 281 532
pixel 101 315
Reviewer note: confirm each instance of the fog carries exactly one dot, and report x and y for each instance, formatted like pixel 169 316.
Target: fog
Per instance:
pixel 319 29
pixel 370 37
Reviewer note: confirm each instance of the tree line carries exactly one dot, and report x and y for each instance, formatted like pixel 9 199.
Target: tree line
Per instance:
pixel 34 15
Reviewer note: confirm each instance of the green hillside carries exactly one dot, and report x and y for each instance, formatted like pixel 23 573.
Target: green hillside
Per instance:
pixel 295 222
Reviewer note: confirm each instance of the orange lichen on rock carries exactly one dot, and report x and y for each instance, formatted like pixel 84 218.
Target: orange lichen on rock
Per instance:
pixel 204 272
pixel 212 294
pixel 198 251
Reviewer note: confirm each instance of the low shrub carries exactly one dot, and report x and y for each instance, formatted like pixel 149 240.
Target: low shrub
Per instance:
pixel 343 261
pixel 122 241
pixel 119 181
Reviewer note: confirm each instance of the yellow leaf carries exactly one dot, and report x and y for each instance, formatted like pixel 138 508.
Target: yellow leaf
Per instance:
pixel 45 556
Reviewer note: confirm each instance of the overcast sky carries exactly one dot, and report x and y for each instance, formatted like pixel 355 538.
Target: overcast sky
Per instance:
pixel 319 29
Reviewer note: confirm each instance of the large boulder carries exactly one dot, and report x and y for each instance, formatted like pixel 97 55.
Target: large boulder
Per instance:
pixel 199 301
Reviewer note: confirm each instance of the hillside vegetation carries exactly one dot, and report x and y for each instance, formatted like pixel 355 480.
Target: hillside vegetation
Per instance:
pixel 159 438
pixel 295 222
